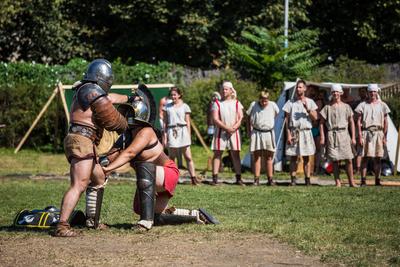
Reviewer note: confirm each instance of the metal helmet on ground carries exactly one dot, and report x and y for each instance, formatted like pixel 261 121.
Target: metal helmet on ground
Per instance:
pixel 99 71
pixel 141 108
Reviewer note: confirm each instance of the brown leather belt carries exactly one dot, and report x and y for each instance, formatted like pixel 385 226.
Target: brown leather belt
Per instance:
pixel 83 130
pixel 262 130
pixel 373 128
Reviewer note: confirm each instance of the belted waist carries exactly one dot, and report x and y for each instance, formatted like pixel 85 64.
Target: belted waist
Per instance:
pixel 262 130
pixel 297 129
pixel 373 128
pixel 177 125
pixel 337 129
pixel 83 130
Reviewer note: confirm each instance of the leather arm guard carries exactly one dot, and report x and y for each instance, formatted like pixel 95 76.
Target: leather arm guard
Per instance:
pixel 106 116
pixel 146 187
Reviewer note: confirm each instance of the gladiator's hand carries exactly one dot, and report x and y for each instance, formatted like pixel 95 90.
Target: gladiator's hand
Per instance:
pixel 133 98
pixel 106 170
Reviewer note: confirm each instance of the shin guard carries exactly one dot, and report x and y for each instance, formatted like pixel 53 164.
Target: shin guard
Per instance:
pixel 94 201
pixel 181 216
pixel 146 186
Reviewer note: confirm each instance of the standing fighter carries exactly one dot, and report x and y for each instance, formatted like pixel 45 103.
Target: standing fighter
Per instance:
pixel 300 143
pixel 157 175
pixel 372 127
pixel 92 111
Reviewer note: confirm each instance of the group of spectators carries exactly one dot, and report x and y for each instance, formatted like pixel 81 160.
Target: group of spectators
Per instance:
pixel 334 127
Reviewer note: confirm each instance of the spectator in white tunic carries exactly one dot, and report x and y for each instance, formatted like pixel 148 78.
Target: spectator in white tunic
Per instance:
pixel 177 130
pixel 300 143
pixel 372 127
pixel 227 117
pixel 337 117
pixel 261 122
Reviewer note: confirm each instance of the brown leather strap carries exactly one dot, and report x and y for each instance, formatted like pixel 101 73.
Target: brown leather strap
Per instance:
pixel 106 116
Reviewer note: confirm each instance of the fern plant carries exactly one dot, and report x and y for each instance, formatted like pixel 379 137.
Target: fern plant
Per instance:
pixel 261 56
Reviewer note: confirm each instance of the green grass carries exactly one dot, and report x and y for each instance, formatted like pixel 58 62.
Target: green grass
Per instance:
pixel 353 226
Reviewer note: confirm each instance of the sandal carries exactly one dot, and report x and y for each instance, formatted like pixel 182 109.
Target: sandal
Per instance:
pixel 64 230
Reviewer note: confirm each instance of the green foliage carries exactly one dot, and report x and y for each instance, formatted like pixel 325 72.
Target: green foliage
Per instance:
pixel 26 87
pixel 394 105
pixel 260 55
pixel 185 32
pixel 347 70
pixel 365 30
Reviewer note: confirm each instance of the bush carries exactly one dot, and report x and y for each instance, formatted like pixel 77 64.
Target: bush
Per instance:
pixel 346 70
pixel 26 87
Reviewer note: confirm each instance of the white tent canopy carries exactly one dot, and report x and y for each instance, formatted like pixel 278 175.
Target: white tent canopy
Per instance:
pixel 288 93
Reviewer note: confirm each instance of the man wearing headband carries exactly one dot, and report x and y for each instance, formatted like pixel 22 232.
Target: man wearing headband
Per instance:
pixel 300 142
pixel 372 127
pixel 336 118
pixel 227 116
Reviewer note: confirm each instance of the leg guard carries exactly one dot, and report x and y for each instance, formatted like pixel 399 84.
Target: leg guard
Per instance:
pixel 146 185
pixel 94 201
pixel 173 216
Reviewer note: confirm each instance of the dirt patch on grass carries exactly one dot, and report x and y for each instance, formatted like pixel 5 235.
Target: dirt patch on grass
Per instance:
pixel 158 248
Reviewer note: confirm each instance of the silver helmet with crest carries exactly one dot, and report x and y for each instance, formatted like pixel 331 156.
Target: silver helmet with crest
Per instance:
pixel 140 108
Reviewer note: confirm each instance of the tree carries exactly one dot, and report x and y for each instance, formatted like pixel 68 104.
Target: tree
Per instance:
pixel 261 56
pixel 365 30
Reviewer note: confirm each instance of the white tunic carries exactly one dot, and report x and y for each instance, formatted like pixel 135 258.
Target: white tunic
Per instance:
pixel 373 115
pixel 177 131
pixel 300 126
pixel 338 145
pixel 262 121
pixel 228 114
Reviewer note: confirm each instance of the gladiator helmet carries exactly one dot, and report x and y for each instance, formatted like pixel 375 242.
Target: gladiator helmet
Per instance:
pixel 141 108
pixel 99 71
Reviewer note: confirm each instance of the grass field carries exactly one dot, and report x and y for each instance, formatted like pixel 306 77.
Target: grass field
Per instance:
pixel 351 226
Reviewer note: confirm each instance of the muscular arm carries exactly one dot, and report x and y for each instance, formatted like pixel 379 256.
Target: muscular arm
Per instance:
pixel 106 116
pixel 117 98
pixel 140 141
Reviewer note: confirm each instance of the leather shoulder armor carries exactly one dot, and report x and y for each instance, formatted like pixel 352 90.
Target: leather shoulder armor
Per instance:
pixel 88 93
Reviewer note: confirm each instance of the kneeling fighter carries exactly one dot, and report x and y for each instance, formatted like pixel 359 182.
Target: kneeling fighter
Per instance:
pixel 157 175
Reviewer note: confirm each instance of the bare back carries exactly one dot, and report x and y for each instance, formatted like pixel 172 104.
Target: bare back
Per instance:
pixel 142 140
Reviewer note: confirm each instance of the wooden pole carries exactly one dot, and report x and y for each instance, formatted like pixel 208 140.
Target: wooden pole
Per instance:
pixel 61 91
pixel 397 152
pixel 199 136
pixel 36 120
